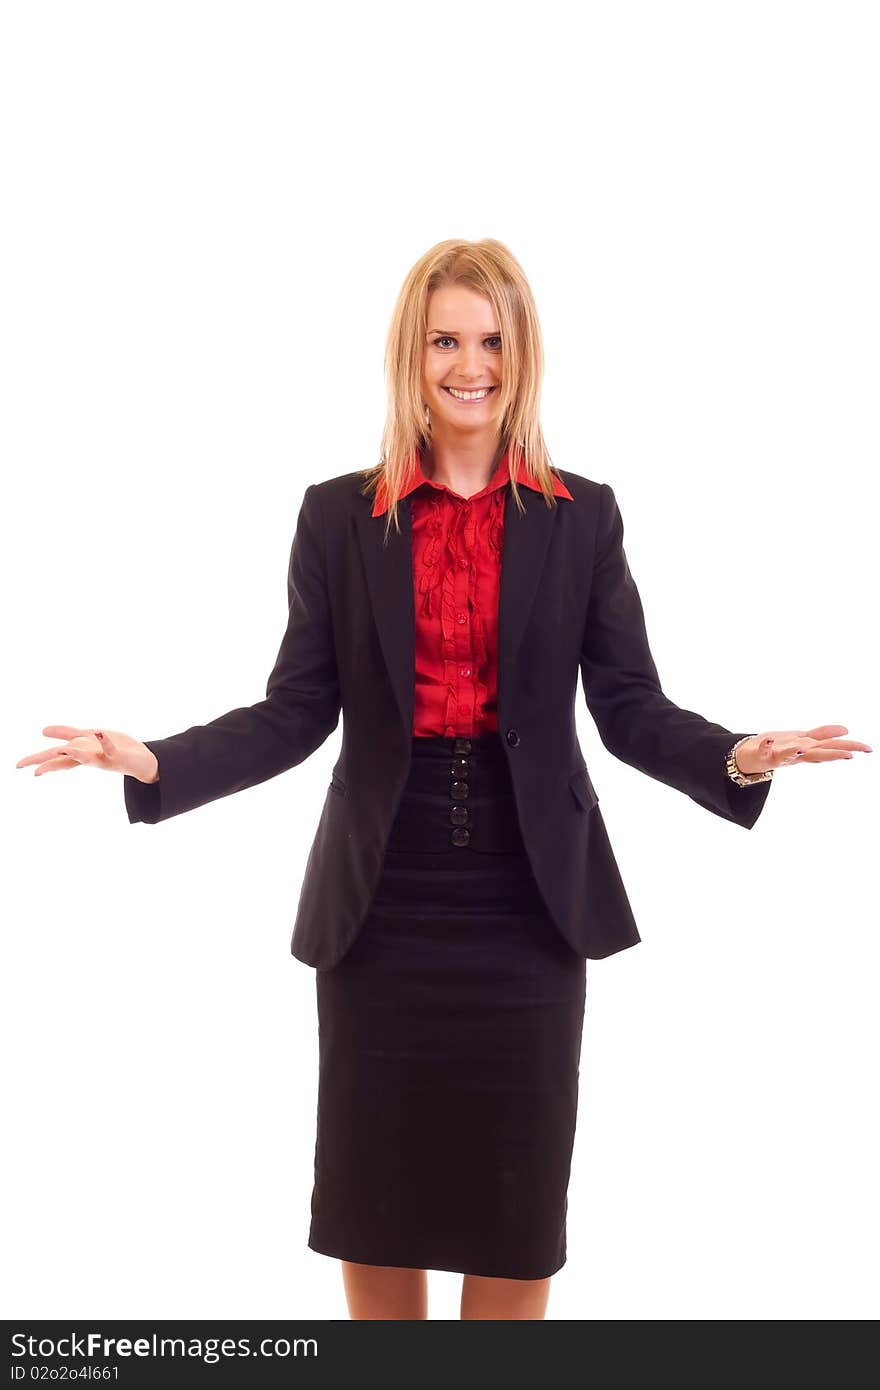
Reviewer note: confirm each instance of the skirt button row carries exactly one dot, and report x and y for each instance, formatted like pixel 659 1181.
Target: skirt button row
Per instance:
pixel 459 790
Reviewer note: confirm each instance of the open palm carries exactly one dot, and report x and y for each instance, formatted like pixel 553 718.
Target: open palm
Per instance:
pixel 108 749
pixel 784 747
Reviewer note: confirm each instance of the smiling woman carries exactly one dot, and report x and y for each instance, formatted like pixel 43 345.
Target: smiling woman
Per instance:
pixel 451 1029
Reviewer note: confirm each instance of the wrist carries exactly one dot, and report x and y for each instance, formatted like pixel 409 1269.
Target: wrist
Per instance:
pixel 740 762
pixel 153 770
pixel 743 755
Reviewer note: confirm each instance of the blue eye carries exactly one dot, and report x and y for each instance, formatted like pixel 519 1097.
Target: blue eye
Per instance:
pixel 447 338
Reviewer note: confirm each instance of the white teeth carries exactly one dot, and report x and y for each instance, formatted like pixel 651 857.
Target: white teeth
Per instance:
pixel 468 395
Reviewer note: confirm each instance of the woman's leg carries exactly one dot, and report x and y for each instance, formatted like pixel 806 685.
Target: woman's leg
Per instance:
pixel 385 1291
pixel 503 1298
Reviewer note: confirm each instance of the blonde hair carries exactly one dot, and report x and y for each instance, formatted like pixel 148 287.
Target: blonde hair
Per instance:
pixel 488 268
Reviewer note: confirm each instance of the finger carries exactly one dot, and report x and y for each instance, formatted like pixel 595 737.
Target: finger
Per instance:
pixel 63 764
pixel 68 731
pixel 78 754
pixel 813 755
pixel 849 743
pixel 823 755
pixel 40 757
pixel 826 731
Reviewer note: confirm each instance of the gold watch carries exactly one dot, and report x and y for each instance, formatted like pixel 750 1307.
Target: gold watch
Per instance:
pixel 744 779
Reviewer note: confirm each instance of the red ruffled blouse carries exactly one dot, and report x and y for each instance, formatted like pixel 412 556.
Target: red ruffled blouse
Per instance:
pixel 457 544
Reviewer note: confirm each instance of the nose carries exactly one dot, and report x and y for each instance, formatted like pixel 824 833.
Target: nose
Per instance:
pixel 470 365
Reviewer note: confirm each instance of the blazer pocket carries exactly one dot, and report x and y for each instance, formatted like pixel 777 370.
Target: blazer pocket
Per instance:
pixel 336 785
pixel 583 788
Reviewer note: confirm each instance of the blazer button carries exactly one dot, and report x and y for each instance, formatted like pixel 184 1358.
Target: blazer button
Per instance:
pixel 512 737
pixel 459 790
pixel 460 837
pixel 461 745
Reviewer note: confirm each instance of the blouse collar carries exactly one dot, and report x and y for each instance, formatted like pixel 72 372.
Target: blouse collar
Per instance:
pixel 501 476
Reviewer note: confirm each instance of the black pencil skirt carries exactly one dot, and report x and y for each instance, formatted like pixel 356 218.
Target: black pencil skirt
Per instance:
pixel 449 1042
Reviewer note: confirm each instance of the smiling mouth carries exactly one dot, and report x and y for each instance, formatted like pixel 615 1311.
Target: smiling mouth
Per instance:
pixel 470 397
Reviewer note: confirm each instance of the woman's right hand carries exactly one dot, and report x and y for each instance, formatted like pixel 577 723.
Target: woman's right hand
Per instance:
pixel 104 748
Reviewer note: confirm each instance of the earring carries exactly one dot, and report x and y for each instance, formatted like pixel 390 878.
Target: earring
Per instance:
pixel 427 413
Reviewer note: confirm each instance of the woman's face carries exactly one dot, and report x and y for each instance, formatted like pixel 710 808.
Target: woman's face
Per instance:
pixel 462 351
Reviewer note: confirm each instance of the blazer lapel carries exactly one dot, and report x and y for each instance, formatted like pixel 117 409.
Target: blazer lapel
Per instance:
pixel 389 574
pixel 526 538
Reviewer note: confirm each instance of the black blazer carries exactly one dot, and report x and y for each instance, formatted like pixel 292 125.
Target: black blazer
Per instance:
pixel 567 602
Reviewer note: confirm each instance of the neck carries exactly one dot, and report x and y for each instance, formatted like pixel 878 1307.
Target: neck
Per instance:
pixel 465 467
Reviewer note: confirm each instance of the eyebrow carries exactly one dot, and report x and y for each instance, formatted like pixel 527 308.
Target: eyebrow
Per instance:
pixel 453 332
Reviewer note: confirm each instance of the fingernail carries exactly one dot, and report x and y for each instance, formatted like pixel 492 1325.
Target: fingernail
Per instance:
pixel 799 753
pixel 98 735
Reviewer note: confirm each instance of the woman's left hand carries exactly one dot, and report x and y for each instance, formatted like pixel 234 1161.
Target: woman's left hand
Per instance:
pixel 783 747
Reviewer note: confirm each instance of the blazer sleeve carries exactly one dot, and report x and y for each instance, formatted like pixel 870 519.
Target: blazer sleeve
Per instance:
pixel 252 744
pixel 635 720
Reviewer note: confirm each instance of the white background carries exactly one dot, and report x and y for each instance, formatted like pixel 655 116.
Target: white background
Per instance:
pixel 209 210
